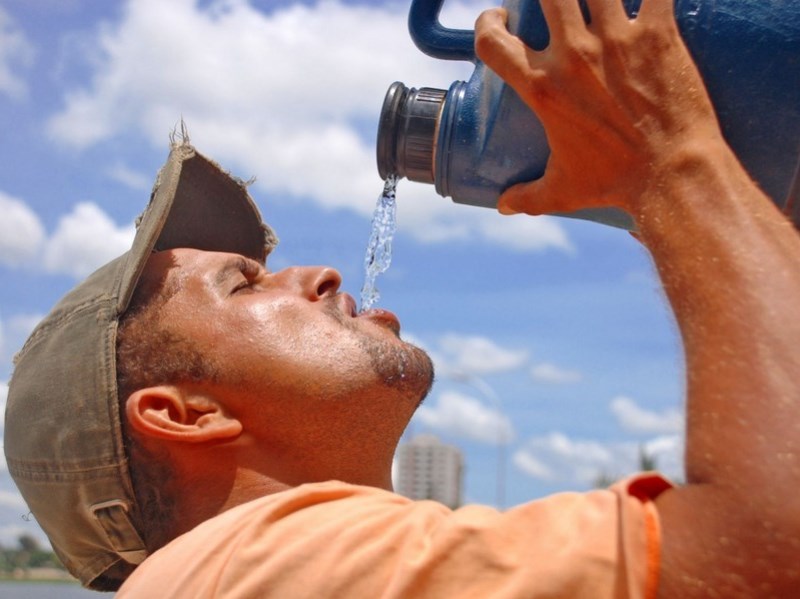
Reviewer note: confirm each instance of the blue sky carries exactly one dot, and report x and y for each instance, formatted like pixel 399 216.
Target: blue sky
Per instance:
pixel 554 346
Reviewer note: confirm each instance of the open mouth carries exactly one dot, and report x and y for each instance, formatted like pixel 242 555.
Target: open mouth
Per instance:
pixel 382 317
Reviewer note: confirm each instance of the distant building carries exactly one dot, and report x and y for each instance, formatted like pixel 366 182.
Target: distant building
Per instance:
pixel 428 469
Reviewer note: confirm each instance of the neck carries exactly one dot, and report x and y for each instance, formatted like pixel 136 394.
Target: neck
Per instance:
pixel 209 485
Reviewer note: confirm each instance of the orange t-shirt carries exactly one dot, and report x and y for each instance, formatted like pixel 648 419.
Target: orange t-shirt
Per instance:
pixel 339 540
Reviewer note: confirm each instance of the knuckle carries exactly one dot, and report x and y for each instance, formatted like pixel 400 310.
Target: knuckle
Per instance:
pixel 653 37
pixel 541 89
pixel 488 37
pixel 582 51
pixel 615 41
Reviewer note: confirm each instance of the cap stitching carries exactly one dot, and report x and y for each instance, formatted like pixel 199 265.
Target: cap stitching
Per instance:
pixel 52 321
pixel 39 471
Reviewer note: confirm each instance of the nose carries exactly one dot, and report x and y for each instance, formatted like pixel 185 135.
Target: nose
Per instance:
pixel 315 282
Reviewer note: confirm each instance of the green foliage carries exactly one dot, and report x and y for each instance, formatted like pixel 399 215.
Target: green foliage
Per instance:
pixel 647 462
pixel 26 555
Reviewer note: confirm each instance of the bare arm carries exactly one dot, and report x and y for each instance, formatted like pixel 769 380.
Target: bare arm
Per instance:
pixel 630 125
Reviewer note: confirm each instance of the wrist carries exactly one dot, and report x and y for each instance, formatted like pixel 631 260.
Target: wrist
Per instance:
pixel 691 184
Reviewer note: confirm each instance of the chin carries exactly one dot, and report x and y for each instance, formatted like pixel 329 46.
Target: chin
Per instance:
pixel 416 377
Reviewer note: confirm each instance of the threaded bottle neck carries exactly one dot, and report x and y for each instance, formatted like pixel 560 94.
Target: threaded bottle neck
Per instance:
pixel 407 132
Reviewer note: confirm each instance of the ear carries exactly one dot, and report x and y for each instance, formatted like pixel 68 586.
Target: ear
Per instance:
pixel 171 413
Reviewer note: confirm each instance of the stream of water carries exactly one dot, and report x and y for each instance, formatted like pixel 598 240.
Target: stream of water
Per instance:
pixel 379 248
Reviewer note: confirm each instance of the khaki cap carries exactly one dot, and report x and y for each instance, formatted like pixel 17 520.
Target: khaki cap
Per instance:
pixel 63 437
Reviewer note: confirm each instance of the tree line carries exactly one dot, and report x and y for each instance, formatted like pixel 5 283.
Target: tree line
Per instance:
pixel 28 554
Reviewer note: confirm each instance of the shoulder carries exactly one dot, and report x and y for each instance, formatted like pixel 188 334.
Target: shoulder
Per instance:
pixel 328 538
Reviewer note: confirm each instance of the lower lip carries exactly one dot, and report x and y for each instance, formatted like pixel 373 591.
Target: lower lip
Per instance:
pixel 383 317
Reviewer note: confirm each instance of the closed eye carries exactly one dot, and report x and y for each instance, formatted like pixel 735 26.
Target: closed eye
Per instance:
pixel 244 285
pixel 244 273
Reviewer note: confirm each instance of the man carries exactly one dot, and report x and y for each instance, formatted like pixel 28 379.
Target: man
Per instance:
pixel 246 394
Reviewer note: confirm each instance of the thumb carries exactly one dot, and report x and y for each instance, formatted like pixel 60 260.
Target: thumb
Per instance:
pixel 531 198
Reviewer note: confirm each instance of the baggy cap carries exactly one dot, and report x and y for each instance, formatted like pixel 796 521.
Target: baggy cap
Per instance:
pixel 63 437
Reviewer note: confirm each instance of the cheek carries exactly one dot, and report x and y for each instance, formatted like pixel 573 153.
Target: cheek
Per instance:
pixel 283 343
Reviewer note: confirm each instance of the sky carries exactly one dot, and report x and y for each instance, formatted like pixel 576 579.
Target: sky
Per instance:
pixel 557 356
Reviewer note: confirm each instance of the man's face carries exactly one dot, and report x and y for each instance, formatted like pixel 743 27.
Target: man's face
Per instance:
pixel 289 347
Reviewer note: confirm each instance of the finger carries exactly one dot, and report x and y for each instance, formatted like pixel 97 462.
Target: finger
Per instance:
pixel 606 14
pixel 522 198
pixel 657 10
pixel 505 54
pixel 564 19
pixel 504 208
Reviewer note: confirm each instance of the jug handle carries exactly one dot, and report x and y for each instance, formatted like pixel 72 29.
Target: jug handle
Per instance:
pixel 436 40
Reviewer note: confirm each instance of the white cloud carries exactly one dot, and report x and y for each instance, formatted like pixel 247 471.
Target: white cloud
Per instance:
pixel 21 231
pixel 433 219
pixel 13 332
pixel 470 355
pixel 557 458
pixel 531 466
pixel 279 96
pixel 552 374
pixel 524 233
pixel 23 324
pixel 282 83
pixel 130 178
pixel 667 451
pixel 466 417
pixel 15 51
pixel 84 240
pixel 12 499
pixel 638 420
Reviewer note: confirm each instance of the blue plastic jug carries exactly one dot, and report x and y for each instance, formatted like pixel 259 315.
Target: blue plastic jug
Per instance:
pixel 477 138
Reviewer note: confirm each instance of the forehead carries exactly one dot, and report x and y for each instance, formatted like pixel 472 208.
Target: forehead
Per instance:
pixel 168 272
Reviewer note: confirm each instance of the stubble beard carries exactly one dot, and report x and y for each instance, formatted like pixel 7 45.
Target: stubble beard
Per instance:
pixel 401 366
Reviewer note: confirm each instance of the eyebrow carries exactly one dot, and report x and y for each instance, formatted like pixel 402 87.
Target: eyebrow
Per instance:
pixel 236 265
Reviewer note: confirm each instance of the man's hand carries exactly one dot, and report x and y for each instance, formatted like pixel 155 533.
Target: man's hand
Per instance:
pixel 612 95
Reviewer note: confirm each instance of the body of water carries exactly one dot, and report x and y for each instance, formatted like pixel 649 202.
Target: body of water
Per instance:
pixel 47 590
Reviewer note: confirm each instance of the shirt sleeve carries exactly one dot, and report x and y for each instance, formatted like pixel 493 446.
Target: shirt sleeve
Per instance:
pixel 337 540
